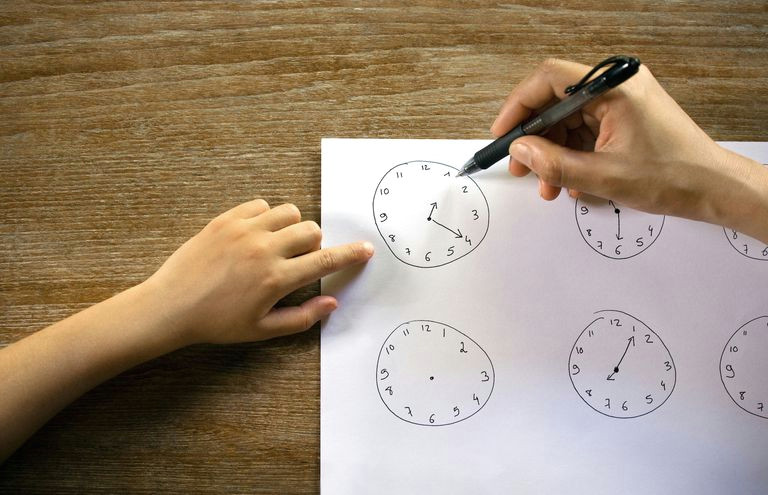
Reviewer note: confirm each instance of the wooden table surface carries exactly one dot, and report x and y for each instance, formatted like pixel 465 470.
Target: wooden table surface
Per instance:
pixel 127 125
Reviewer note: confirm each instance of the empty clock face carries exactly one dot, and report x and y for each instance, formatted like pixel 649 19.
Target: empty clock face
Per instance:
pixel 616 231
pixel 430 374
pixel 749 247
pixel 428 216
pixel 620 367
pixel 744 367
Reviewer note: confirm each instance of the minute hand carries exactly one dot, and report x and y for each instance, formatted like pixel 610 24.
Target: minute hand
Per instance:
pixel 457 234
pixel 630 341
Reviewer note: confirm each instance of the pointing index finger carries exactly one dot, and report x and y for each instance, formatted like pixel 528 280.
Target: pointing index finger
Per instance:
pixel 546 83
pixel 307 268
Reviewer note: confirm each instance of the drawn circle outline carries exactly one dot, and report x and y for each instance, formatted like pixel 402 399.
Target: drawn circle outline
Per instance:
pixel 672 360
pixel 376 374
pixel 727 392
pixel 373 210
pixel 578 226
pixel 725 231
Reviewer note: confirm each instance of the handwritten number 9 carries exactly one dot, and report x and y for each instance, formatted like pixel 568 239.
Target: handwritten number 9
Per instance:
pixel 729 369
pixel 385 373
pixel 383 217
pixel 576 369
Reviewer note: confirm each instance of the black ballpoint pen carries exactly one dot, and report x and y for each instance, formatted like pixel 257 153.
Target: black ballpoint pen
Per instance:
pixel 621 68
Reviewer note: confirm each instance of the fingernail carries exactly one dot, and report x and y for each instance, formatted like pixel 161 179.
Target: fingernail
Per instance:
pixel 368 248
pixel 521 153
pixel 541 188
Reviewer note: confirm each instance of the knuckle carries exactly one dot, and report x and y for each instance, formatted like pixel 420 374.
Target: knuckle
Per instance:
pixel 549 171
pixel 260 248
pixel 292 211
pixel 271 282
pixel 306 319
pixel 313 230
pixel 550 64
pixel 219 223
pixel 327 260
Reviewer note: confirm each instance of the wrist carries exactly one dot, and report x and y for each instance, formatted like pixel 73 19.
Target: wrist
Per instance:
pixel 164 318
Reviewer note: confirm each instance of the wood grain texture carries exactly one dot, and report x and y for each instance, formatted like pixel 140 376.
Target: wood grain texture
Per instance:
pixel 127 125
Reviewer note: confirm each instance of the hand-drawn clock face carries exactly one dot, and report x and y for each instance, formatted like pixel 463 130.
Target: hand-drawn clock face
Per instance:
pixel 615 231
pixel 430 374
pixel 620 367
pixel 749 247
pixel 744 367
pixel 427 216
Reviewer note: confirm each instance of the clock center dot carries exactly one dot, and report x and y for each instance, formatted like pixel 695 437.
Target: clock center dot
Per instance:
pixel 431 377
pixel 616 369
pixel 616 211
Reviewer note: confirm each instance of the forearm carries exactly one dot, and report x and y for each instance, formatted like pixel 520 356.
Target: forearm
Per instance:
pixel 740 201
pixel 41 374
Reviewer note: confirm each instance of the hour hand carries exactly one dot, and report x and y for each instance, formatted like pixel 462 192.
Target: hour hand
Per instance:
pixel 434 207
pixel 457 233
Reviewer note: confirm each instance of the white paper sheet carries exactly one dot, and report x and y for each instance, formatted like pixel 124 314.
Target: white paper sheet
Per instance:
pixel 503 324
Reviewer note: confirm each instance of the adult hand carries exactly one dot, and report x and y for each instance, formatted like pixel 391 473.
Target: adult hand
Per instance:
pixel 635 145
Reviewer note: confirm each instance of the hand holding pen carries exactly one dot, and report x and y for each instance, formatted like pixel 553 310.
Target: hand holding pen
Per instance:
pixel 620 68
pixel 635 146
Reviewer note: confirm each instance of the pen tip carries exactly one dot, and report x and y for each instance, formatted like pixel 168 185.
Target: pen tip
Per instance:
pixel 461 172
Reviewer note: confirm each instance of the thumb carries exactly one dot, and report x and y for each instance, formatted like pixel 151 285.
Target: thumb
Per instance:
pixel 554 164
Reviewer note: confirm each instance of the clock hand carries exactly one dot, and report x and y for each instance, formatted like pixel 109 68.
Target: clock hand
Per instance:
pixel 618 220
pixel 457 234
pixel 434 206
pixel 630 341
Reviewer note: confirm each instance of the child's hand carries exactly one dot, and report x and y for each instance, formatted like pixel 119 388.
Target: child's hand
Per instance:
pixel 221 285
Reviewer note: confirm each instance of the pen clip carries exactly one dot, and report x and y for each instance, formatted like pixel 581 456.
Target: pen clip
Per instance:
pixel 613 61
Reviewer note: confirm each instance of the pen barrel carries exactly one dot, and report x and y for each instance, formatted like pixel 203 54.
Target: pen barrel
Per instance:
pixel 561 110
pixel 540 123
pixel 497 149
